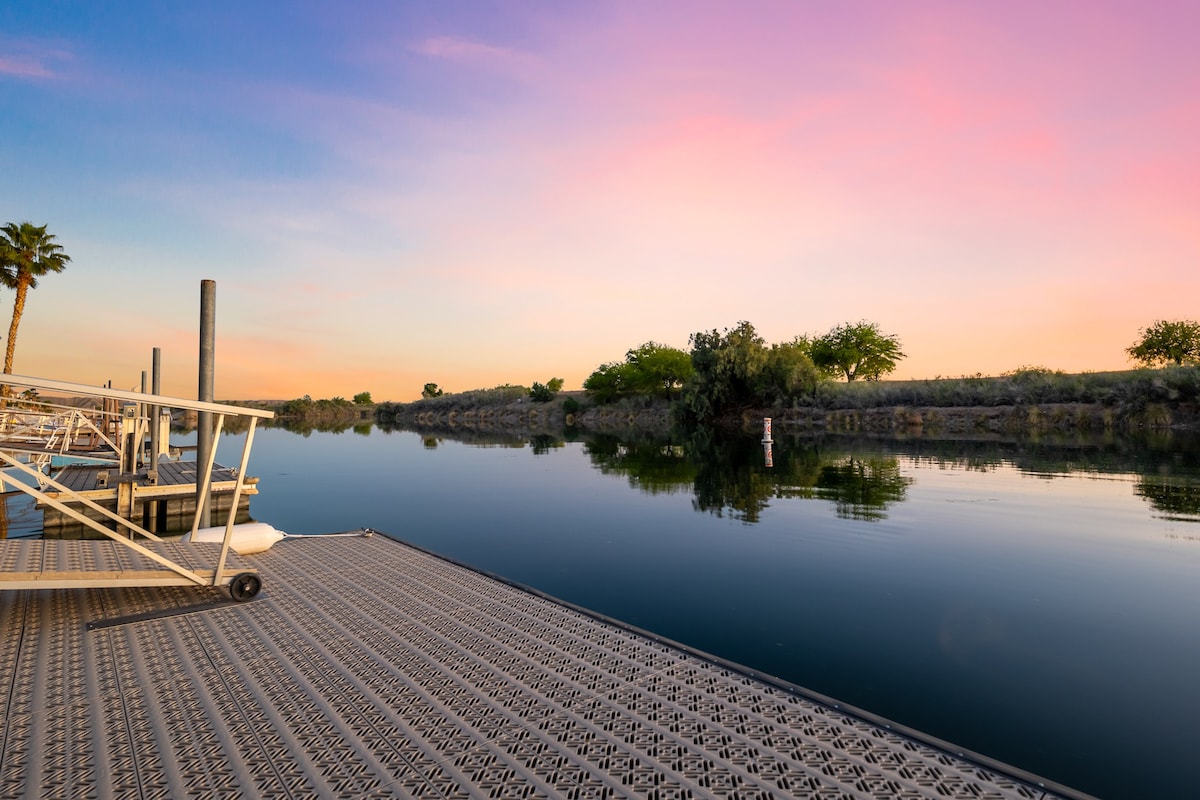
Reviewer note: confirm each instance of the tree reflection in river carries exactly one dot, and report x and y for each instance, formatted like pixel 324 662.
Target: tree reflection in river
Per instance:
pixel 728 477
pixel 862 476
pixel 1176 497
pixel 862 488
pixel 653 466
pixel 731 477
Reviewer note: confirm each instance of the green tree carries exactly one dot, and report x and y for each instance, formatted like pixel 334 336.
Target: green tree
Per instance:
pixel 362 399
pixel 727 372
pixel 655 369
pixel 608 382
pixel 27 252
pixel 299 406
pixel 857 351
pixel 431 390
pixel 1167 342
pixel 788 372
pixel 544 393
pixel 652 370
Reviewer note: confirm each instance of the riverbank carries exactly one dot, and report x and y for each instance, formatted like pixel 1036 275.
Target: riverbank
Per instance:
pixel 315 415
pixel 1028 401
pixel 1010 419
pixel 656 416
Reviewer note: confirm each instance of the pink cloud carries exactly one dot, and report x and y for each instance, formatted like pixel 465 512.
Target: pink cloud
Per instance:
pixel 461 49
pixel 31 58
pixel 23 68
pixel 467 51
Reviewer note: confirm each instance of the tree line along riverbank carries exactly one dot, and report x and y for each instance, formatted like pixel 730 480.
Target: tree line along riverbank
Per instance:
pixel 1031 400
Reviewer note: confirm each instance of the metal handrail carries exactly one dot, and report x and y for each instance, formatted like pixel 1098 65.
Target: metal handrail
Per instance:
pixel 143 401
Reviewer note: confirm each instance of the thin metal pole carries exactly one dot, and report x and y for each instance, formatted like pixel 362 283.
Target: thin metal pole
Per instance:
pixel 155 410
pixel 204 478
pixel 155 388
pixel 238 485
pixel 141 414
pixel 204 431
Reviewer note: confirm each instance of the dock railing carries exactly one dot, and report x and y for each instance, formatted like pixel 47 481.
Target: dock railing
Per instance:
pixel 41 430
pixel 134 429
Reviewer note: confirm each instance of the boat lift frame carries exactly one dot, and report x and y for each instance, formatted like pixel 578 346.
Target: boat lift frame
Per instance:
pixel 50 429
pixel 243 583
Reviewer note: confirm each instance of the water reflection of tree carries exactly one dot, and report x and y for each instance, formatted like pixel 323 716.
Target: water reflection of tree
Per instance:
pixel 1139 454
pixel 728 477
pixel 1165 465
pixel 862 488
pixel 734 479
pixel 306 428
pixel 1175 497
pixel 543 443
pixel 654 467
pixel 432 435
pixel 860 475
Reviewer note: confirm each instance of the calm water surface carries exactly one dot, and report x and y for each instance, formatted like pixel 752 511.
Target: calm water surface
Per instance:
pixel 1035 604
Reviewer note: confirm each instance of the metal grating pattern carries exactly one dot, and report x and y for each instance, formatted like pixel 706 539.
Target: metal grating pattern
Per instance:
pixel 106 556
pixel 367 668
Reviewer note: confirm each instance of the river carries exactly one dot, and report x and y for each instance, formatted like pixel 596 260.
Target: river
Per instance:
pixel 1032 601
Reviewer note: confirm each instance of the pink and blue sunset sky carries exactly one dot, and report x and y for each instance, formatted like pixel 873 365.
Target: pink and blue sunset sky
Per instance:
pixel 476 193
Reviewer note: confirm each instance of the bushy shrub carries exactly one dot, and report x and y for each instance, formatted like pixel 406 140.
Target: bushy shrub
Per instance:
pixel 474 398
pixel 1024 386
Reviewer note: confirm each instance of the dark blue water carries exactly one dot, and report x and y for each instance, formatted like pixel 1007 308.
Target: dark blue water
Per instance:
pixel 1037 605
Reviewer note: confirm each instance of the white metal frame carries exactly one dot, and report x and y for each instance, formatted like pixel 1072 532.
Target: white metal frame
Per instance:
pixel 173 573
pixel 40 430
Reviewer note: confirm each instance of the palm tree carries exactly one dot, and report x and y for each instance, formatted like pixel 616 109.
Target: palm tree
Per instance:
pixel 27 253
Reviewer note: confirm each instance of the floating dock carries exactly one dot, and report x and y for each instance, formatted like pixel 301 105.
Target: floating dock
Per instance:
pixel 131 483
pixel 163 502
pixel 369 668
pixel 126 555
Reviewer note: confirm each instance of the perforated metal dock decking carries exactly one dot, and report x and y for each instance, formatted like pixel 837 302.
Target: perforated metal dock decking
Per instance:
pixel 367 668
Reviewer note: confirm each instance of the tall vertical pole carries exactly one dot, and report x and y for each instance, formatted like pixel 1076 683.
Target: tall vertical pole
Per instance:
pixel 139 433
pixel 155 389
pixel 204 429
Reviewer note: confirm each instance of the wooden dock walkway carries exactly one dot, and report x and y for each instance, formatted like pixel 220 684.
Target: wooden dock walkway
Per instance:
pixel 368 668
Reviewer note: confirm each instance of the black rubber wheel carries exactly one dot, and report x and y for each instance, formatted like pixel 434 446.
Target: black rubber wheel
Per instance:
pixel 245 586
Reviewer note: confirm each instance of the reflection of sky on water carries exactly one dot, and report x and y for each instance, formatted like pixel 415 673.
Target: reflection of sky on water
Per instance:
pixel 1006 611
